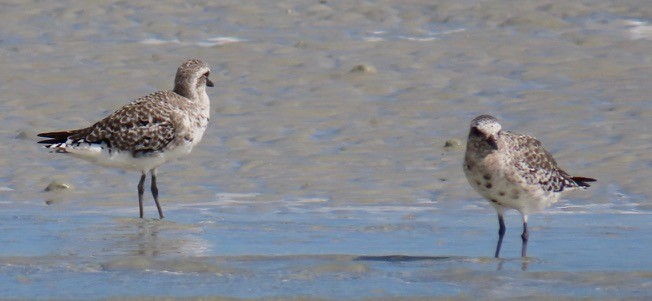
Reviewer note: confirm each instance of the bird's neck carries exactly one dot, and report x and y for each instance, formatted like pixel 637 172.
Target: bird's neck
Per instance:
pixel 197 97
pixel 202 99
pixel 185 90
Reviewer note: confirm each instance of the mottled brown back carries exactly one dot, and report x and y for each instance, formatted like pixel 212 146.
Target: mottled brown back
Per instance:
pixel 537 165
pixel 145 125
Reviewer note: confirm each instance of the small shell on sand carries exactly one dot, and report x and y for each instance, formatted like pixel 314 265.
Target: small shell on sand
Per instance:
pixel 57 185
pixel 453 144
pixel 364 68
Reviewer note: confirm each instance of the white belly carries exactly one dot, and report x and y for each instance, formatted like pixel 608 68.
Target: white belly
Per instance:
pixel 504 193
pixel 101 155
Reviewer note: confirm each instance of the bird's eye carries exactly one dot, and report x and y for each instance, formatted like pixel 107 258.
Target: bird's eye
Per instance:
pixel 475 131
pixel 207 74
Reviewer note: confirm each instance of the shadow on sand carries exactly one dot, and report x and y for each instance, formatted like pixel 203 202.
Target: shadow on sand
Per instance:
pixel 404 258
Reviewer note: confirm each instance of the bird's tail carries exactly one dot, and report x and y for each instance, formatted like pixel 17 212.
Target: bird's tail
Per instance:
pixel 55 137
pixel 63 136
pixel 582 181
pixel 60 141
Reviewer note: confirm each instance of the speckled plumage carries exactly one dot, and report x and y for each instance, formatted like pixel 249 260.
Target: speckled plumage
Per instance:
pixel 513 171
pixel 147 132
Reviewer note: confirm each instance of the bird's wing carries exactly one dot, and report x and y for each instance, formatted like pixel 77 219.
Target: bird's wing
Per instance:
pixel 145 125
pixel 537 165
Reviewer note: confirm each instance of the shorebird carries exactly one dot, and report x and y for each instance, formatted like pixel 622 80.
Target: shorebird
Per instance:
pixel 513 171
pixel 147 132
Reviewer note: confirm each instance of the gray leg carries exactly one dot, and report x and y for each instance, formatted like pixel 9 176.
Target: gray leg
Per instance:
pixel 141 190
pixel 501 233
pixel 525 237
pixel 155 193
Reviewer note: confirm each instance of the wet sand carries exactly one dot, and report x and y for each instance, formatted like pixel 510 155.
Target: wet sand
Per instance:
pixel 326 145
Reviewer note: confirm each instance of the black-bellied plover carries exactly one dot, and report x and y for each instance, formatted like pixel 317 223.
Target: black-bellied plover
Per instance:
pixel 513 171
pixel 146 133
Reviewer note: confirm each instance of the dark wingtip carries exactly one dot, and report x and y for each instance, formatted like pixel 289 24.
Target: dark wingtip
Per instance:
pixel 55 137
pixel 582 181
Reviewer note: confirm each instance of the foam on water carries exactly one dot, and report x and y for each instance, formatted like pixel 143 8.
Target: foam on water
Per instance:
pixel 639 29
pixel 425 36
pixel 209 42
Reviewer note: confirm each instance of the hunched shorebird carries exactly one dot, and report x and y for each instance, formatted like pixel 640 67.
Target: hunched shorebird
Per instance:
pixel 513 171
pixel 147 132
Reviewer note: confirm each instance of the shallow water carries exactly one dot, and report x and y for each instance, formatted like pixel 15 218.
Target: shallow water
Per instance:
pixel 318 178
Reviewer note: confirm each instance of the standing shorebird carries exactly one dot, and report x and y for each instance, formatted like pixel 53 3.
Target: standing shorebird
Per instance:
pixel 513 171
pixel 146 133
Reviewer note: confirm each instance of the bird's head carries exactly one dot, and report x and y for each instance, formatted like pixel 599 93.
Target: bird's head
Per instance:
pixel 487 128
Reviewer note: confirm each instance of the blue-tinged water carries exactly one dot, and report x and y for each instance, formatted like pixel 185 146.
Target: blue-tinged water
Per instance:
pixel 318 250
